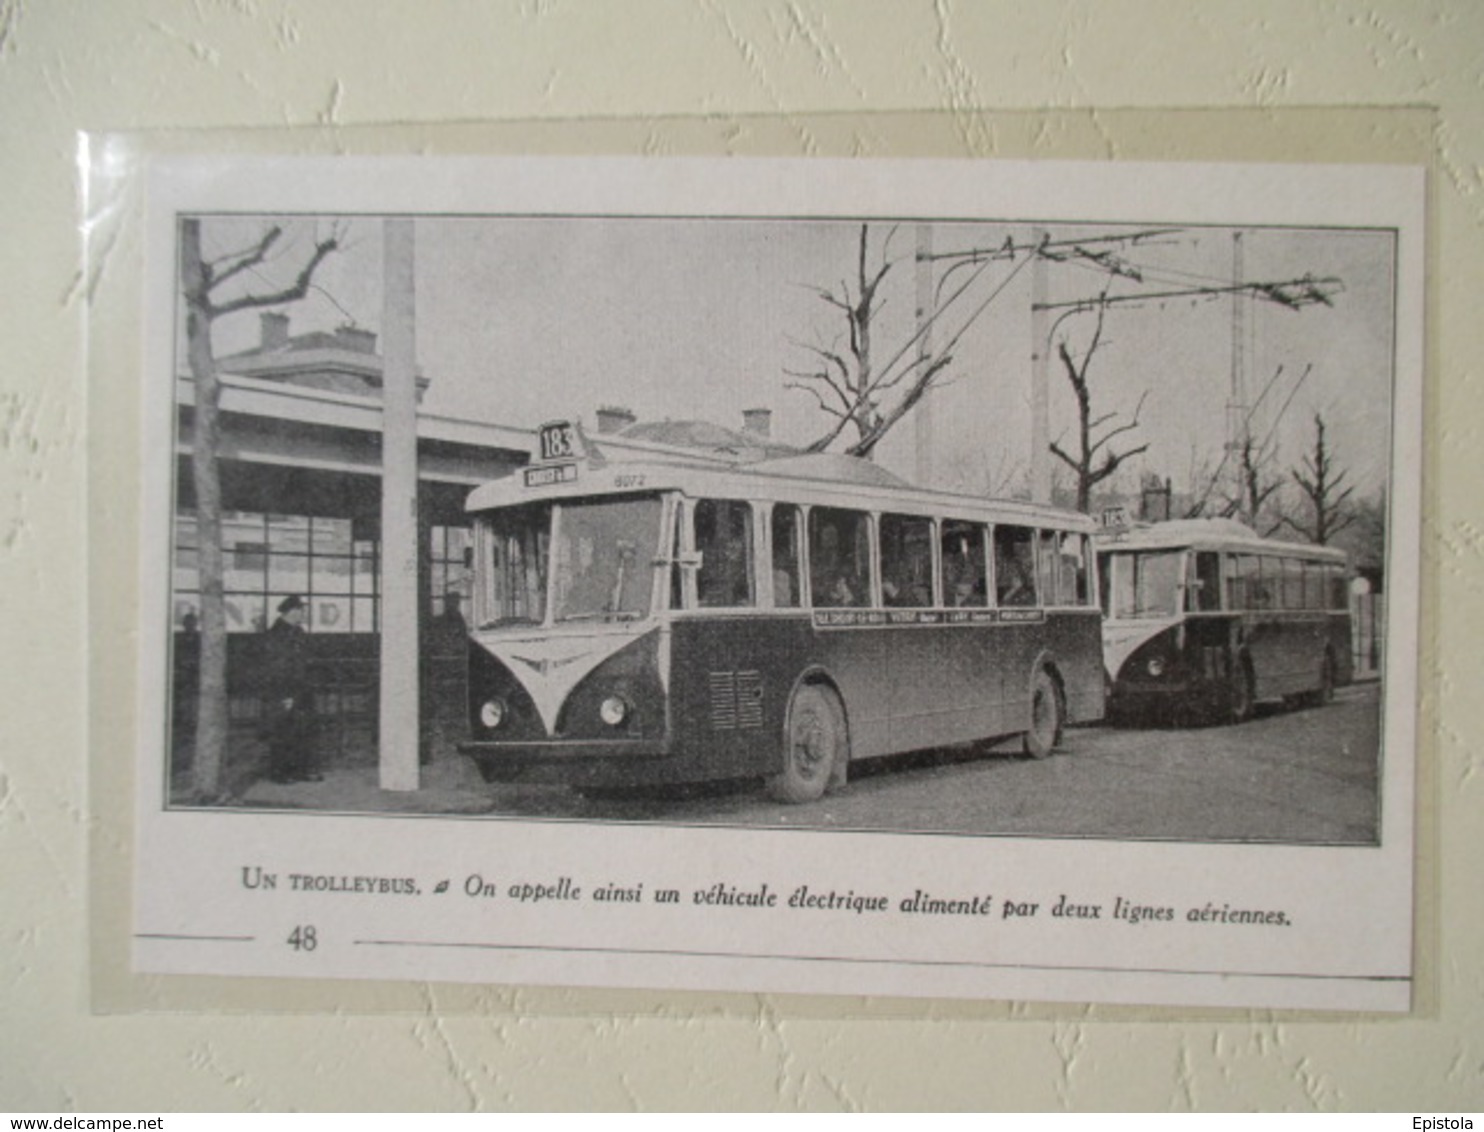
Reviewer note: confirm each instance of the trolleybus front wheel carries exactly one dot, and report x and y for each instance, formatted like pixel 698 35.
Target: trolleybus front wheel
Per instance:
pixel 816 746
pixel 1046 713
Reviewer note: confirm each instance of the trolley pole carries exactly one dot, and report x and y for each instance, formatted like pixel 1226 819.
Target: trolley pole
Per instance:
pixel 399 699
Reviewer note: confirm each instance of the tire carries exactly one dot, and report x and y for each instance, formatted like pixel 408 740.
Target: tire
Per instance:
pixel 816 747
pixel 1239 695
pixel 1046 717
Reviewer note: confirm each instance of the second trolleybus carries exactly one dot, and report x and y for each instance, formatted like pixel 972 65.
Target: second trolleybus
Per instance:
pixel 1204 619
pixel 665 622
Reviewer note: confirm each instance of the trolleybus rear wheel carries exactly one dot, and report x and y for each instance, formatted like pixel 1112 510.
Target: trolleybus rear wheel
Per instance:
pixel 1045 729
pixel 816 747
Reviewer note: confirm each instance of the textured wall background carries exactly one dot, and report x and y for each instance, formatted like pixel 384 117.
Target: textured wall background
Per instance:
pixel 66 66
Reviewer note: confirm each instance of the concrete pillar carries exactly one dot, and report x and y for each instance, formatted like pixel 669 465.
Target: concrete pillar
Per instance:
pixel 399 524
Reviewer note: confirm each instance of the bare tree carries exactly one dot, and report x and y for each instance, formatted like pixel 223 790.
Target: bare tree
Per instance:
pixel 1322 485
pixel 1093 460
pixel 201 282
pixel 850 382
pixel 1255 489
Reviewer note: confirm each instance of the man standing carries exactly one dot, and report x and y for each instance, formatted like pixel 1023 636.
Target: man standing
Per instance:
pixel 290 700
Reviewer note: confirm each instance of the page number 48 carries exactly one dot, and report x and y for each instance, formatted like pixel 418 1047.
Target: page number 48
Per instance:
pixel 303 938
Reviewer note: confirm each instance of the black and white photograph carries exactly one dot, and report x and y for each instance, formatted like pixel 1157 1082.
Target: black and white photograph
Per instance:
pixel 940 578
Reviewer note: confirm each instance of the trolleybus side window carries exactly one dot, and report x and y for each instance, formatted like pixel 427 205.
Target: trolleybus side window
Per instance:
pixel 1262 581
pixel 1293 583
pixel 1339 588
pixel 962 552
pixel 1046 568
pixel 724 539
pixel 1314 588
pixel 1236 586
pixel 788 547
pixel 1203 584
pixel 1015 566
pixel 839 557
pixel 906 561
pixel 1073 568
pixel 516 543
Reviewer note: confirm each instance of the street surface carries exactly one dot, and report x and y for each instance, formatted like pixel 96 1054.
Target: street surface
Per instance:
pixel 1297 775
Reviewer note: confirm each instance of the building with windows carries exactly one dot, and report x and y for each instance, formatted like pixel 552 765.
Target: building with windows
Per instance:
pixel 300 469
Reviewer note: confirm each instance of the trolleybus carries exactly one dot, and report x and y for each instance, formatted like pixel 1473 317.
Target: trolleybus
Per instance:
pixel 1204 618
pixel 665 622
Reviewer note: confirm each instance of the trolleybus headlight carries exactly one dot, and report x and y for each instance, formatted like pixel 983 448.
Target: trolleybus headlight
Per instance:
pixel 492 713
pixel 614 710
pixel 1156 666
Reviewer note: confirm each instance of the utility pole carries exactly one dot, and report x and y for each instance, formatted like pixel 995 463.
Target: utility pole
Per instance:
pixel 400 636
pixel 1238 429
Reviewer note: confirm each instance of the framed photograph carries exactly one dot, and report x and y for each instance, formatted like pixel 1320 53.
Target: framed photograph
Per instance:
pixel 926 578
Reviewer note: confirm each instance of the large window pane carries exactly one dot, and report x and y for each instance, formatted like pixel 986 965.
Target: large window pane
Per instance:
pixel 1015 566
pixel 288 573
pixel 1046 568
pixel 906 561
pixel 839 558
pixel 788 547
pixel 724 538
pixel 962 552
pixel 1071 582
pixel 603 561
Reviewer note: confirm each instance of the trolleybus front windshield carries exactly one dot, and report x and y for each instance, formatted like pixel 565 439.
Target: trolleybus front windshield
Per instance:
pixel 1144 584
pixel 592 559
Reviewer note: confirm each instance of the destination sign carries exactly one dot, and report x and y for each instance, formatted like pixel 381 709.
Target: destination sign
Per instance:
pixel 874 618
pixel 558 440
pixel 554 473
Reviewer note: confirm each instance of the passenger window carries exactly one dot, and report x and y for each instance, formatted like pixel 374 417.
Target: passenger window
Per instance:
pixel 1293 583
pixel 1270 584
pixel 1314 589
pixel 1339 592
pixel 1236 588
pixel 962 552
pixel 1046 561
pixel 724 538
pixel 906 561
pixel 787 558
pixel 839 558
pixel 1203 585
pixel 1250 568
pixel 1015 566
pixel 1071 583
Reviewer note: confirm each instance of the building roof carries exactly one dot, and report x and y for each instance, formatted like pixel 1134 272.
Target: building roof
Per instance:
pixel 745 447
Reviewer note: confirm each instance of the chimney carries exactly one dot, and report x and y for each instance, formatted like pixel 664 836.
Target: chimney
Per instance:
pixel 757 422
pixel 614 418
pixel 355 339
pixel 274 330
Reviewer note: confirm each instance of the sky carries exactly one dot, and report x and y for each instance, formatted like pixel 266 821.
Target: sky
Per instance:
pixel 522 320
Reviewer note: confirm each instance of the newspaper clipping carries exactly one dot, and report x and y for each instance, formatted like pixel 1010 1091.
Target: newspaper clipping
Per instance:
pixel 925 578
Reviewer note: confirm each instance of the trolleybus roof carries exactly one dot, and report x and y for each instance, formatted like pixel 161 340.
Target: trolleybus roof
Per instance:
pixel 825 479
pixel 1209 534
